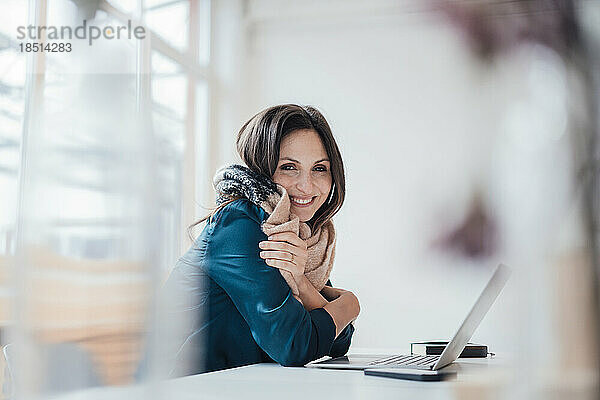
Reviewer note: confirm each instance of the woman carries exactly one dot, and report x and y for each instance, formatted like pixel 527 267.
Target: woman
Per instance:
pixel 263 298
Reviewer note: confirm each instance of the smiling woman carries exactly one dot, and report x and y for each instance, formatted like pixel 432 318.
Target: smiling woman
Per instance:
pixel 258 274
pixel 308 180
pixel 288 140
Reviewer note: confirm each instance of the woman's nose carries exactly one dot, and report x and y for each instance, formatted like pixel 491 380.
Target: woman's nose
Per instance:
pixel 304 183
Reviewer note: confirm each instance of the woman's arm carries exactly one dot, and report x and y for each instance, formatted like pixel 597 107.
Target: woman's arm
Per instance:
pixel 343 307
pixel 309 296
pixel 280 325
pixel 342 342
pixel 343 310
pixel 288 252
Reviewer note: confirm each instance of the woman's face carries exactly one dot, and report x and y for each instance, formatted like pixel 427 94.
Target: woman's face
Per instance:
pixel 304 171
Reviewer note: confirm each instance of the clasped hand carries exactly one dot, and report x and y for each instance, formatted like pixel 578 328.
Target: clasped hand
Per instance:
pixel 285 251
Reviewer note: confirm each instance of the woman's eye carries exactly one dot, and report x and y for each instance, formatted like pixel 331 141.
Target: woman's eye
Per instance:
pixel 320 168
pixel 287 167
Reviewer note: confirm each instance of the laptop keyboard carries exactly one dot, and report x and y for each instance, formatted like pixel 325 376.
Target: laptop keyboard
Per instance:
pixel 413 361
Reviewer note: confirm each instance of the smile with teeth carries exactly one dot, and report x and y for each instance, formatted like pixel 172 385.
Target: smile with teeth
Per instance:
pixel 302 202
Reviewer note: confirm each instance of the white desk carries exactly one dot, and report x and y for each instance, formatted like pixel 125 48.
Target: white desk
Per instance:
pixel 271 381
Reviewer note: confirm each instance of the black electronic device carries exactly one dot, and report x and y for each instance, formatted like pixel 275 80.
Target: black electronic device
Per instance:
pixel 435 348
pixel 411 374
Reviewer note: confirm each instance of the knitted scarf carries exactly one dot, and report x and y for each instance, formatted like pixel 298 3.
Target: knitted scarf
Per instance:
pixel 240 181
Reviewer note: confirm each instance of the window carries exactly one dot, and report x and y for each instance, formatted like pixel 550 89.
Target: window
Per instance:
pixel 170 20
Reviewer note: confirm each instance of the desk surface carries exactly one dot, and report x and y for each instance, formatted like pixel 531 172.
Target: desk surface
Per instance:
pixel 271 381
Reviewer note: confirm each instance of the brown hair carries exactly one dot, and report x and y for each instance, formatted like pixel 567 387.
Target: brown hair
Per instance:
pixel 259 140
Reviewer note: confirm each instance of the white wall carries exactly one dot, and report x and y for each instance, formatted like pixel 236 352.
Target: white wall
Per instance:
pixel 419 121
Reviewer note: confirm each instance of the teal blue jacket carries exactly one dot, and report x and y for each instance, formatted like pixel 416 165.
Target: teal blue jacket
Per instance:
pixel 241 311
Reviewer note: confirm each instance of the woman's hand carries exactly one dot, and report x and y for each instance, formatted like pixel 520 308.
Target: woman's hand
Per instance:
pixel 344 310
pixel 331 293
pixel 285 251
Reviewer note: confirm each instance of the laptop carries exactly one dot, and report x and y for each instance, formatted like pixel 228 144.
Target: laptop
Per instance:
pixel 431 363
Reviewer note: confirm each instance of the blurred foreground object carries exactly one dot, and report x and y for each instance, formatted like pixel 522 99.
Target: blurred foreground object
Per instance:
pixel 475 237
pixel 552 204
pixel 95 305
pixel 87 250
pixel 493 26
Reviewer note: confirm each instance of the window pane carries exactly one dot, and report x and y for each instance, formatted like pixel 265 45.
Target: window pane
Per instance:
pixel 169 88
pixel 204 32
pixel 203 186
pixel 169 99
pixel 170 20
